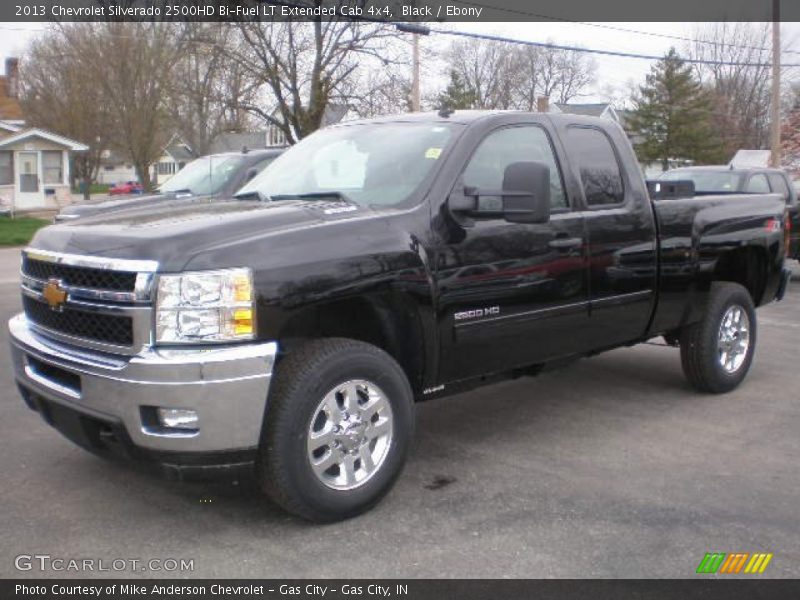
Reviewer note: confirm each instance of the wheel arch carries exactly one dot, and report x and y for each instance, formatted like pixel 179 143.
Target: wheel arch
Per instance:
pixel 394 323
pixel 746 266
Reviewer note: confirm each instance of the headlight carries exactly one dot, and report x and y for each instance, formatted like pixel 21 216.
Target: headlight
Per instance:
pixel 205 306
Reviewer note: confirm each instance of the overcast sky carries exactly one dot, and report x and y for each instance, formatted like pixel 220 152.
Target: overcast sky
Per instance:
pixel 612 72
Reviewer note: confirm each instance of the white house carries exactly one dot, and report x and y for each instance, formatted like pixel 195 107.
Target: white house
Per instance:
pixel 174 157
pixel 115 168
pixel 34 168
pixel 34 163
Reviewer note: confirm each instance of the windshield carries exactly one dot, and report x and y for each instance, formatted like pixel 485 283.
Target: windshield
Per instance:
pixel 378 164
pixel 706 181
pixel 204 176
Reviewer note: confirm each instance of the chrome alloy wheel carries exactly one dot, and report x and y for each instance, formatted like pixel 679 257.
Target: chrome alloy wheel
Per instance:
pixel 350 435
pixel 734 339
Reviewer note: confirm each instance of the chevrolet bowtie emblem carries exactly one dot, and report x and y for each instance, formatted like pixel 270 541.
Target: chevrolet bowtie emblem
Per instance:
pixel 55 295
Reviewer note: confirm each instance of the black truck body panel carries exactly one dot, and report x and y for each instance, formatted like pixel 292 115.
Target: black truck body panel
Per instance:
pixel 776 181
pixel 457 303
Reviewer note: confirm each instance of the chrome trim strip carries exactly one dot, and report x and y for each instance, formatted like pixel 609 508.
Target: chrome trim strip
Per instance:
pixel 84 342
pixel 175 435
pixel 92 262
pixel 33 284
pixel 111 309
pixel 528 315
pixel 618 299
pixel 49 383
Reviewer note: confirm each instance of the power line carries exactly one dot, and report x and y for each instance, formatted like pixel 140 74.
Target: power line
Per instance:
pixel 622 29
pixel 507 40
pixel 496 38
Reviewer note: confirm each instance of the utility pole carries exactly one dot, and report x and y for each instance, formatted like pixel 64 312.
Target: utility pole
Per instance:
pixel 775 158
pixel 415 100
pixel 415 30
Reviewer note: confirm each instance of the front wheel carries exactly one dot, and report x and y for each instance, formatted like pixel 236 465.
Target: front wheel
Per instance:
pixel 338 427
pixel 716 353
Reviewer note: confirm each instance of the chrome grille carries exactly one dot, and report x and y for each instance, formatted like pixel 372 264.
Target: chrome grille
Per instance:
pixel 100 279
pixel 108 329
pixel 108 303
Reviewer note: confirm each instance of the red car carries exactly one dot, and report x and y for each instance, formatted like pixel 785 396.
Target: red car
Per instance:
pixel 125 189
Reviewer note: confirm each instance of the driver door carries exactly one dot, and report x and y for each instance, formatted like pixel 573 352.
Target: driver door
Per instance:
pixel 511 294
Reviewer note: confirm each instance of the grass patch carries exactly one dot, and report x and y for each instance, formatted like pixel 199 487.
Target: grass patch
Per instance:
pixel 19 231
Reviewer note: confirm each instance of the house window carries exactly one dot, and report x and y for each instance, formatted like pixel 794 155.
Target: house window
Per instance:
pixel 166 168
pixel 6 168
pixel 53 166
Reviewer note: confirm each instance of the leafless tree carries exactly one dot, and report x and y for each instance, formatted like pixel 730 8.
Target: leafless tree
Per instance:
pixel 488 69
pixel 207 87
pixel 505 76
pixel 307 67
pixel 742 93
pixel 381 92
pixel 128 66
pixel 59 95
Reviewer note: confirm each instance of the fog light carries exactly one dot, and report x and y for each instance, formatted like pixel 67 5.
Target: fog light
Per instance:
pixel 178 418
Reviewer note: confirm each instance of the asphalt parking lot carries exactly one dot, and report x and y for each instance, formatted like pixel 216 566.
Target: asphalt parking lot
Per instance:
pixel 612 467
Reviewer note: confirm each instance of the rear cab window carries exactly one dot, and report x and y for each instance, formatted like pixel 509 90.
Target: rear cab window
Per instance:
pixel 598 164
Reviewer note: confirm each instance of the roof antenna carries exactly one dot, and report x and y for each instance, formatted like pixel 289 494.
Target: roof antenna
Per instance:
pixel 245 150
pixel 445 112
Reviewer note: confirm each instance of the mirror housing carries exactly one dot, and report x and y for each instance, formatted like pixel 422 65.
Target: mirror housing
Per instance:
pixel 250 175
pixel 525 194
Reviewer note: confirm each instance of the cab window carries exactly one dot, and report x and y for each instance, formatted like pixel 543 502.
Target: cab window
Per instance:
pixel 600 171
pixel 501 148
pixel 779 186
pixel 758 184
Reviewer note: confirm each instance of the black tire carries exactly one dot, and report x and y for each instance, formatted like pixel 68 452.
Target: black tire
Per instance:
pixel 301 381
pixel 700 341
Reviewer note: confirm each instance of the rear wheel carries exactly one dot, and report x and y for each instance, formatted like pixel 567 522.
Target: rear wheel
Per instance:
pixel 337 431
pixel 716 353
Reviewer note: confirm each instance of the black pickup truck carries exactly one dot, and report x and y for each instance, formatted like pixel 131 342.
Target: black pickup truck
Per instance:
pixel 288 331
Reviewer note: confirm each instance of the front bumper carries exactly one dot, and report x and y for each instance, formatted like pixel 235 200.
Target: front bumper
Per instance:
pixel 106 403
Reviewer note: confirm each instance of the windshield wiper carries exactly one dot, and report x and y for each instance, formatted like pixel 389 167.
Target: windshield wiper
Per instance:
pixel 254 195
pixel 314 196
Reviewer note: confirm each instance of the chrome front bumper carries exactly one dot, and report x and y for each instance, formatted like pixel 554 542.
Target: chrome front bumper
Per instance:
pixel 226 386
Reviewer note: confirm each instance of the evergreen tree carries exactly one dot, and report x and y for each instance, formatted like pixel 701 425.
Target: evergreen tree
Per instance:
pixel 673 116
pixel 457 95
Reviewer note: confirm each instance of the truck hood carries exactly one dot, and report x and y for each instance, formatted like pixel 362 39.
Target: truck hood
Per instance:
pixel 173 231
pixel 97 206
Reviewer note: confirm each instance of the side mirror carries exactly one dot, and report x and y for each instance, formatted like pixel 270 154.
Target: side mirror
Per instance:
pixel 525 193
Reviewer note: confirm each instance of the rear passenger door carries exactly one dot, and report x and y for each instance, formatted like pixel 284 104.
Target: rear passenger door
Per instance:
pixel 621 233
